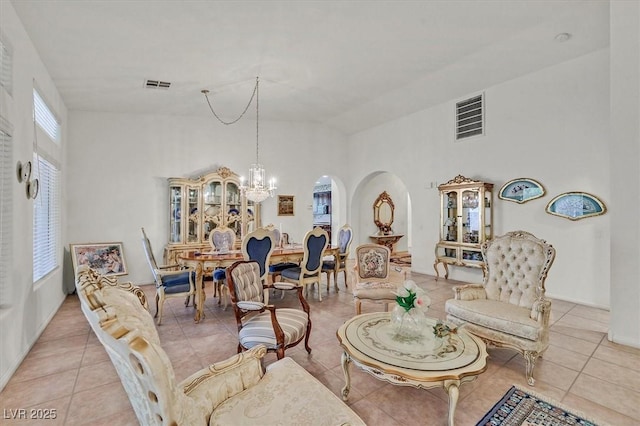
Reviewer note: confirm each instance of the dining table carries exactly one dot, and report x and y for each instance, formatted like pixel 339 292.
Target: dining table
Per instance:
pixel 205 262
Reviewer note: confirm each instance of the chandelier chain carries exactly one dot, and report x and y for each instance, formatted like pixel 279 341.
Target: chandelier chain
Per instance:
pixel 206 95
pixel 256 91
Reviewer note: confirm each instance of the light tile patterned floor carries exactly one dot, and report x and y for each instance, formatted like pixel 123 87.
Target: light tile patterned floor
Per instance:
pixel 67 369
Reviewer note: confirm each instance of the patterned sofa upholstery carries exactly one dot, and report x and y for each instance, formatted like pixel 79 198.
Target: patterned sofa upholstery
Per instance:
pixel 509 309
pixel 234 391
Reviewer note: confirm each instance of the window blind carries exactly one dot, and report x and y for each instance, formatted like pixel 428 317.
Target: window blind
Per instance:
pixel 45 117
pixel 6 213
pixel 46 219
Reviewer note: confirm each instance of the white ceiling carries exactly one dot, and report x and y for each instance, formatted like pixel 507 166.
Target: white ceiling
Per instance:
pixel 348 64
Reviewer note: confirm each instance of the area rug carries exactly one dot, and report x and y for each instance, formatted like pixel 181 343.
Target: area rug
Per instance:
pixel 524 408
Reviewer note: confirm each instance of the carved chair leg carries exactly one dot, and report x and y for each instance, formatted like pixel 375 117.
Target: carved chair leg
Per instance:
pixel 530 362
pixel 358 306
pixel 157 305
pixel 159 312
pixel 306 337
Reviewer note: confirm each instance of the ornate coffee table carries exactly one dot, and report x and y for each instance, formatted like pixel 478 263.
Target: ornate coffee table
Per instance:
pixel 426 362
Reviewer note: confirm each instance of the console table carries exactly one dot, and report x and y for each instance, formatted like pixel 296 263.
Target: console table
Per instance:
pixel 387 240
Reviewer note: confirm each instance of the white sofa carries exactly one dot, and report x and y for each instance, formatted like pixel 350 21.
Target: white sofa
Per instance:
pixel 231 392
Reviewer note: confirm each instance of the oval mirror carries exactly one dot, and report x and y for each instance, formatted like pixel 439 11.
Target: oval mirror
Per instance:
pixel 383 213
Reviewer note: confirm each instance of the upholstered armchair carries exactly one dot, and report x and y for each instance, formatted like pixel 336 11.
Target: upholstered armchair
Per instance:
pixel 373 277
pixel 509 308
pixel 339 264
pixel 171 280
pixel 236 390
pixel 260 323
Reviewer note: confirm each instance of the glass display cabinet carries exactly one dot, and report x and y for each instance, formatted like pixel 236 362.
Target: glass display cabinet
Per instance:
pixel 198 206
pixel 466 221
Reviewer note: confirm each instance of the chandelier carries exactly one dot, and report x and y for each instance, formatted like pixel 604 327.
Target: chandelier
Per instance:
pixel 257 188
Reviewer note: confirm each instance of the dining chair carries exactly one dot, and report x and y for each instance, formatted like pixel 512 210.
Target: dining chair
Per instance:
pixel 314 245
pixel 258 245
pixel 339 263
pixel 171 280
pixel 276 269
pixel 260 323
pixel 221 239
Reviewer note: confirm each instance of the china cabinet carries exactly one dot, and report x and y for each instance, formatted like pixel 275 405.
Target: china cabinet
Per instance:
pixel 197 206
pixel 466 221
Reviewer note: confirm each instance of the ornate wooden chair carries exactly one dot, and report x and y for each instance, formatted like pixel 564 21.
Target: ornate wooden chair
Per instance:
pixel 315 243
pixel 509 308
pixel 373 277
pixel 221 239
pixel 280 239
pixel 171 280
pixel 333 266
pixel 260 323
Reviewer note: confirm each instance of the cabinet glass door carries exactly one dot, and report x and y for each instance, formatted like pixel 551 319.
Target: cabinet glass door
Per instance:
pixel 234 208
pixel 212 208
pixel 488 232
pixel 471 217
pixel 194 215
pixel 175 214
pixel 449 217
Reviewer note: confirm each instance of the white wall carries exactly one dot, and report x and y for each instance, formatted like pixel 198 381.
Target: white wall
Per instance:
pixel 552 126
pixel 119 165
pixel 624 168
pixel 31 305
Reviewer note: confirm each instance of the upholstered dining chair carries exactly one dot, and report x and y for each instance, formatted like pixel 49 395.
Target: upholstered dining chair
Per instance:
pixel 221 239
pixel 339 264
pixel 258 245
pixel 373 277
pixel 509 308
pixel 260 323
pixel 171 280
pixel 276 269
pixel 314 245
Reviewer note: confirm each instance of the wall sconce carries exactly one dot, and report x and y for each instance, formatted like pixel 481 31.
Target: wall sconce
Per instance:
pixel 23 172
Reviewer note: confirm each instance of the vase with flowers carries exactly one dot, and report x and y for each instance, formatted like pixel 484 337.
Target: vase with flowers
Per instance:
pixel 408 316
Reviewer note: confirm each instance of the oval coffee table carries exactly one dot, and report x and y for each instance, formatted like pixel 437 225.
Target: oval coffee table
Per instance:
pixel 425 362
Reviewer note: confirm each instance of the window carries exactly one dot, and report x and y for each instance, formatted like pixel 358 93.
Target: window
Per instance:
pixel 46 219
pixel 6 66
pixel 45 118
pixel 6 209
pixel 470 117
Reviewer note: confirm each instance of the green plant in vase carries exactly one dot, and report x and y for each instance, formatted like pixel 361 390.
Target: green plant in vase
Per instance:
pixel 408 316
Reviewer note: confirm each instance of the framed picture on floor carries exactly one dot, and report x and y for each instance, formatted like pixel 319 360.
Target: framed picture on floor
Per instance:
pixel 285 205
pixel 105 258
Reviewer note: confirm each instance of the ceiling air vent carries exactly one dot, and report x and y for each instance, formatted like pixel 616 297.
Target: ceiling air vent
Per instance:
pixel 156 84
pixel 470 117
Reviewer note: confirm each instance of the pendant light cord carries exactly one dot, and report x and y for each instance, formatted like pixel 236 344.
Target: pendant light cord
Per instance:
pixel 226 123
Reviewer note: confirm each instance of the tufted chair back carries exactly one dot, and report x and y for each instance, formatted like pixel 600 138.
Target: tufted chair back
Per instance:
pixel 516 266
pixel 247 285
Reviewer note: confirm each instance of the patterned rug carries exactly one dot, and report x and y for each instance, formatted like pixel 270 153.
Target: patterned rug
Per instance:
pixel 524 408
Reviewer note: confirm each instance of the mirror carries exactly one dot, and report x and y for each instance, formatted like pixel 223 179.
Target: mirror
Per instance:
pixel 383 213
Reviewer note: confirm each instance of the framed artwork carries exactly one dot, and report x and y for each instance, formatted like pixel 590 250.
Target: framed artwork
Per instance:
pixel 285 205
pixel 106 258
pixel 521 190
pixel 576 206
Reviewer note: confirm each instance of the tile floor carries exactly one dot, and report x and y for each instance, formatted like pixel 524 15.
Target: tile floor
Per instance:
pixel 68 370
